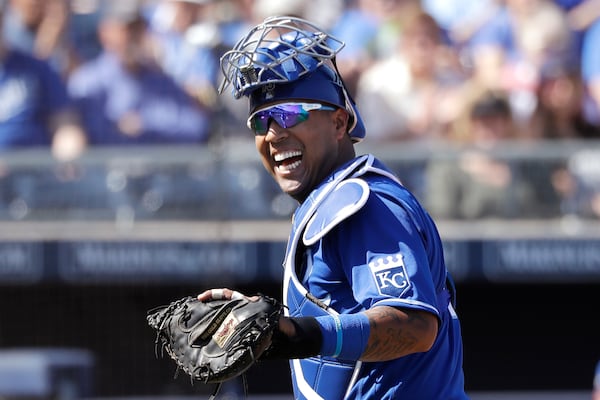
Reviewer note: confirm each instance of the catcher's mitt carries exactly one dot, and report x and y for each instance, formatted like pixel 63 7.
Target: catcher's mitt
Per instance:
pixel 217 340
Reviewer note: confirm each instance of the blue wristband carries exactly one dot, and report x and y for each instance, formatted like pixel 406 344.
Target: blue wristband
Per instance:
pixel 344 336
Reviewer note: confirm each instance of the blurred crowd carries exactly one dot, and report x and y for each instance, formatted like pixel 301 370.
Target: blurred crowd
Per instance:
pixel 76 74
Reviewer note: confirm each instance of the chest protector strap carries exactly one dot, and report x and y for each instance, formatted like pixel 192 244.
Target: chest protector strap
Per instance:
pixel 337 199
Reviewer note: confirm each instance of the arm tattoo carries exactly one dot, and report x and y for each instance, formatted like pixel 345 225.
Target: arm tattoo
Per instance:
pixel 394 333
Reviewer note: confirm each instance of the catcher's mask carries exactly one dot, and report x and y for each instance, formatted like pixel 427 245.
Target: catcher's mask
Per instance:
pixel 288 58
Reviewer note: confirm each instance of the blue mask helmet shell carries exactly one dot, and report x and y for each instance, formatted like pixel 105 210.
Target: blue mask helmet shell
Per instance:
pixel 288 58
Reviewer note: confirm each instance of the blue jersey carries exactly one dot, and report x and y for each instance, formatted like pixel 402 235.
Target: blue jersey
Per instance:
pixel 107 95
pixel 32 93
pixel 362 240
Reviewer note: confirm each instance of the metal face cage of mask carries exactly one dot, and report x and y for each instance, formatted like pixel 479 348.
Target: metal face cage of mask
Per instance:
pixel 285 52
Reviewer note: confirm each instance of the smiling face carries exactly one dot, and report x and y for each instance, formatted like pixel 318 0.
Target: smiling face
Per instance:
pixel 300 157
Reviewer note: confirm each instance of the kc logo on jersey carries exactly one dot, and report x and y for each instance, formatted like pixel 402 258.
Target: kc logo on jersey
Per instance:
pixel 390 274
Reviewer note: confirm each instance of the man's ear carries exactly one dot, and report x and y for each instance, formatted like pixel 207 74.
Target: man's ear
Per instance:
pixel 341 120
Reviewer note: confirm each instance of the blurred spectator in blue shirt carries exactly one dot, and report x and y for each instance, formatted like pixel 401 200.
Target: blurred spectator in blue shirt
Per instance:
pixel 186 36
pixel 371 30
pixel 63 32
pixel 124 97
pixel 510 51
pixel 461 19
pixel 39 28
pixel 358 27
pixel 35 110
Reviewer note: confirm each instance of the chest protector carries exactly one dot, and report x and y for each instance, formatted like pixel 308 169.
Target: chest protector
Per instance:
pixel 339 197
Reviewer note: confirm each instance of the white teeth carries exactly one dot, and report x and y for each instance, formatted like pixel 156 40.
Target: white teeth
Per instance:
pixel 290 167
pixel 288 154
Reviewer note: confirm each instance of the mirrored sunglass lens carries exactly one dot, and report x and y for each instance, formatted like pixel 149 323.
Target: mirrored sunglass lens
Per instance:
pixel 260 123
pixel 286 116
pixel 288 120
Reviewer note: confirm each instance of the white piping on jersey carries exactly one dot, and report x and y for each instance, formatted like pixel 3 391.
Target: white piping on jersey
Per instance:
pixel 342 214
pixel 303 386
pixel 289 273
pixel 368 167
pixel 289 270
pixel 452 311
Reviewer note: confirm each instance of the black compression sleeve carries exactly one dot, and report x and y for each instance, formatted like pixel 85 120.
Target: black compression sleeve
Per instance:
pixel 305 343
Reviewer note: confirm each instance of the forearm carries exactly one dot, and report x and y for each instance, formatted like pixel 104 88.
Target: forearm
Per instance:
pixel 397 332
pixel 387 333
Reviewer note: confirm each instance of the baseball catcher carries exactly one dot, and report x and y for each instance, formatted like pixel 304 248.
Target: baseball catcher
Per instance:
pixel 217 340
pixel 369 304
